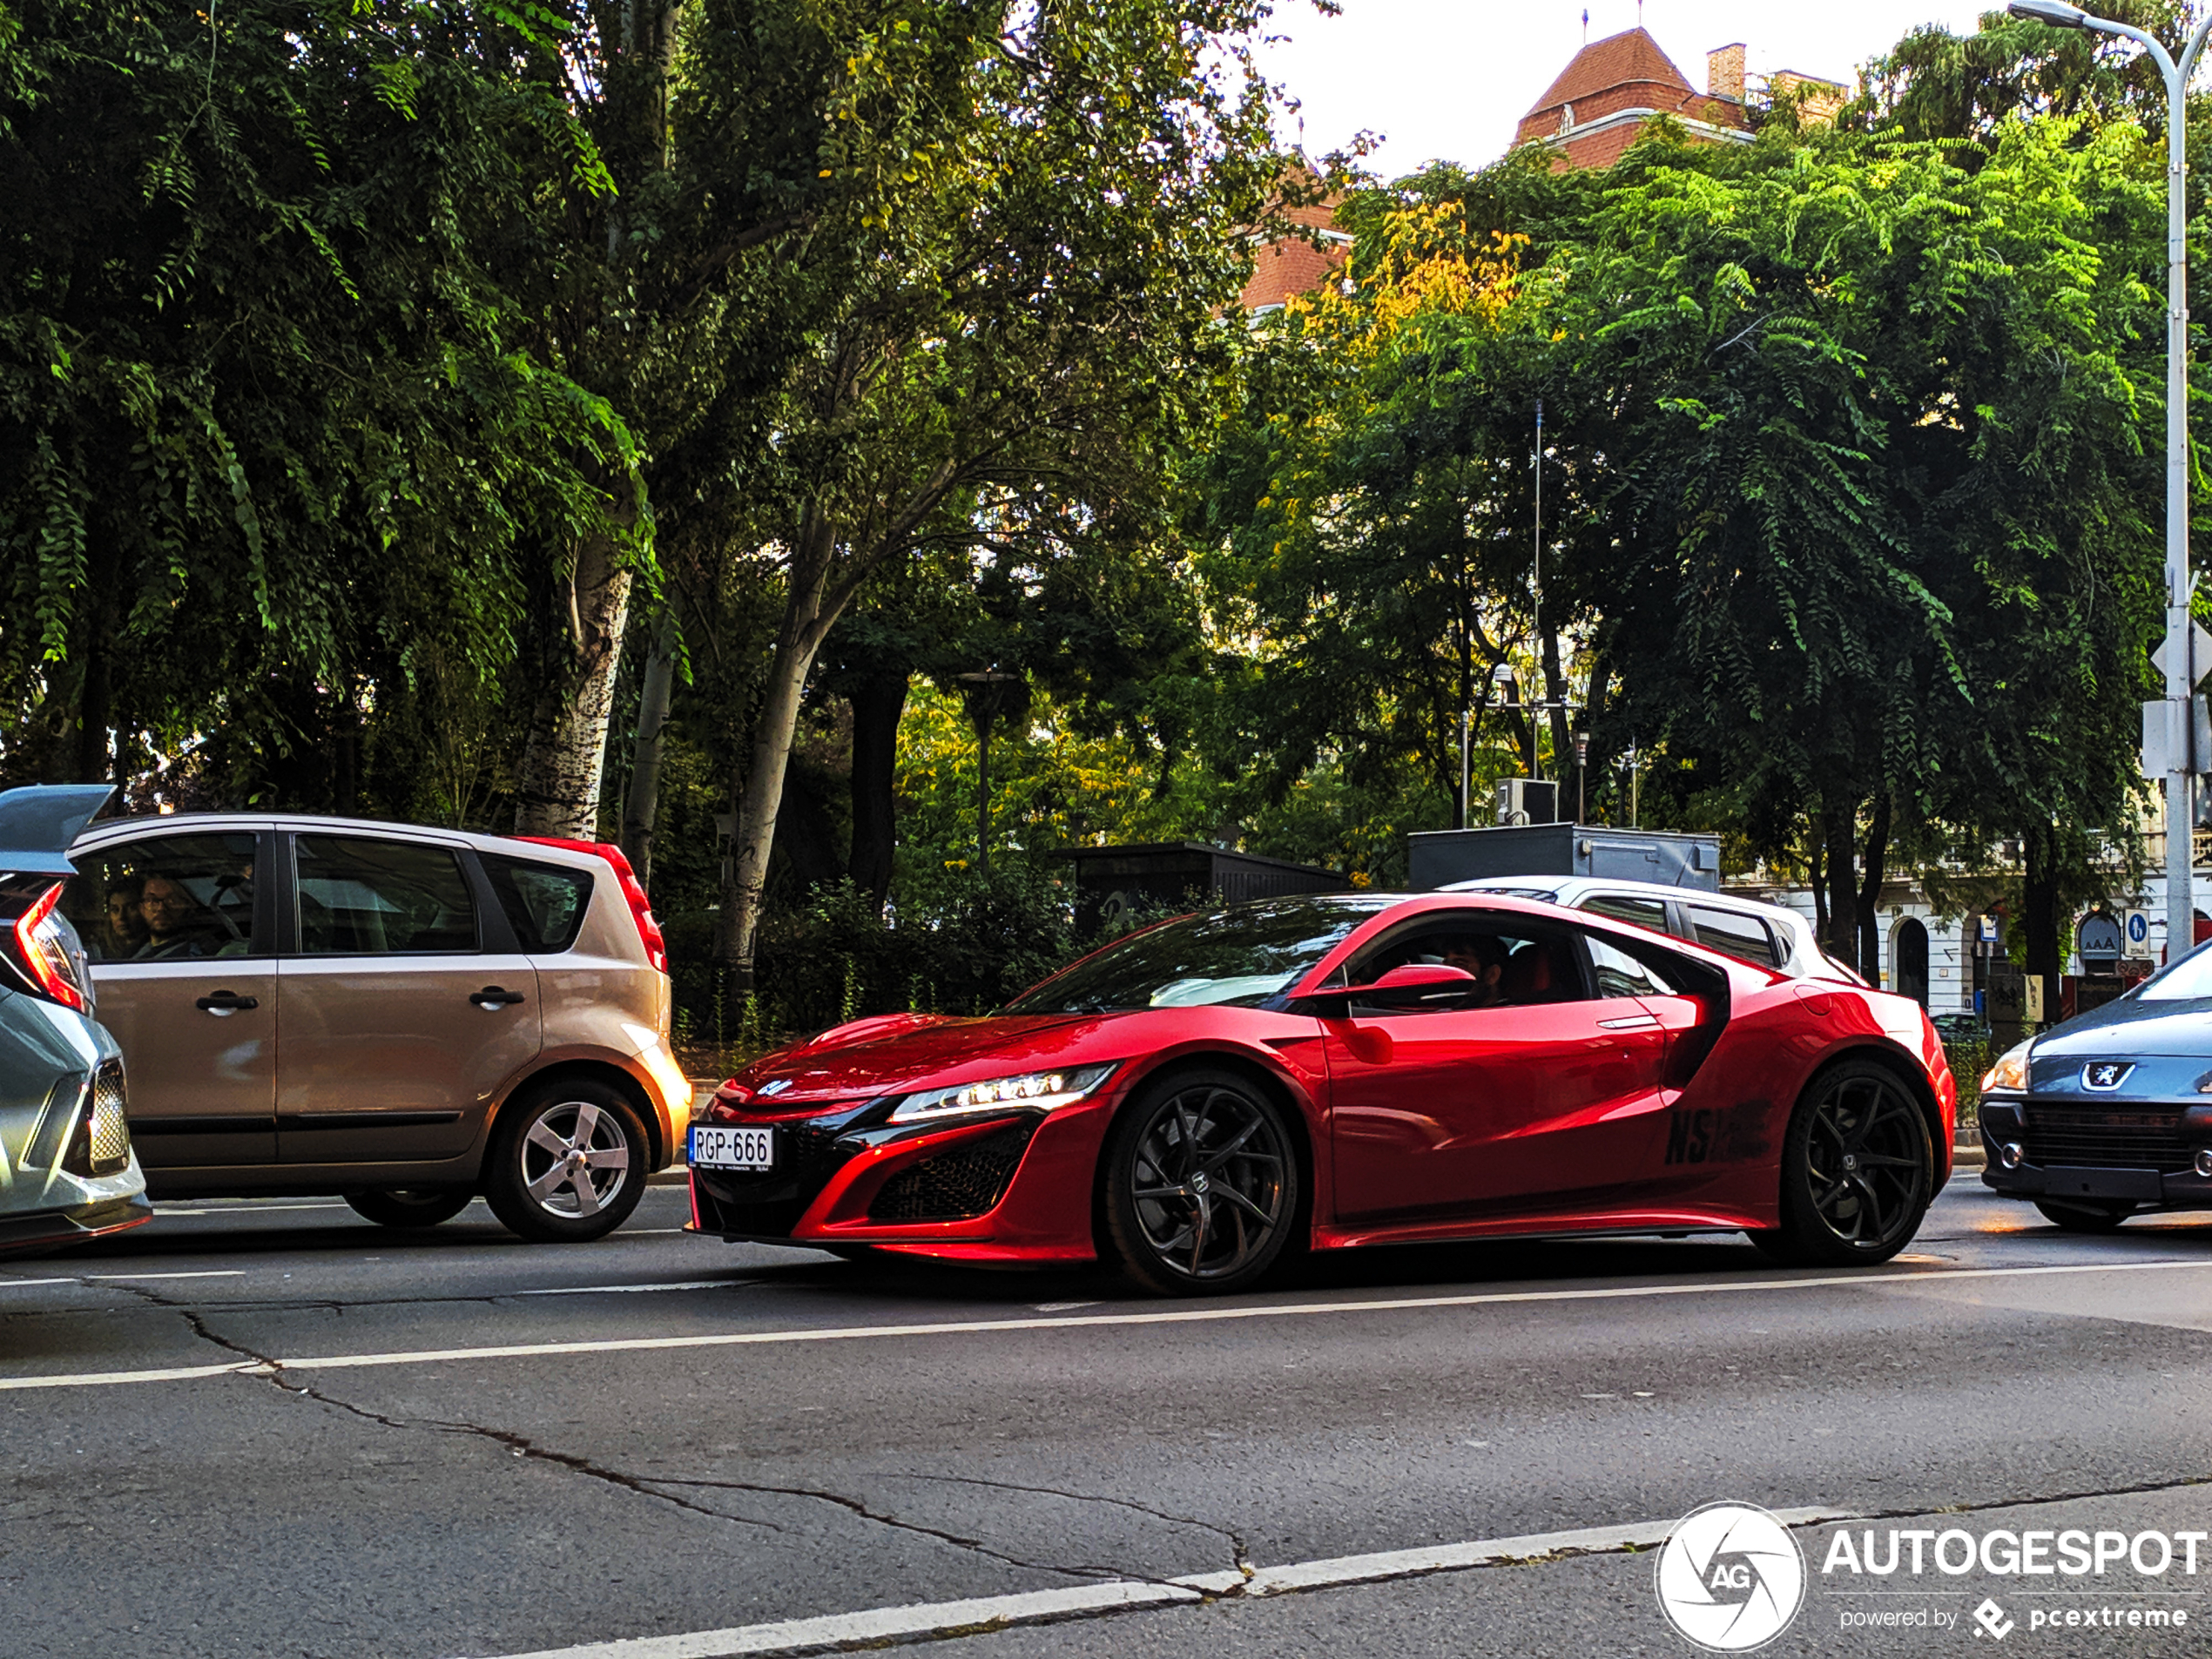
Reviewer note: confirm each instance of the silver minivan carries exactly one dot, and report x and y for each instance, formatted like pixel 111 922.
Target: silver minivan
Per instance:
pixel 404 1017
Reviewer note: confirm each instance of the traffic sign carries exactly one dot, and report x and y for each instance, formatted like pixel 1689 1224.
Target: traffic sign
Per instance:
pixel 2138 928
pixel 2200 653
pixel 2098 939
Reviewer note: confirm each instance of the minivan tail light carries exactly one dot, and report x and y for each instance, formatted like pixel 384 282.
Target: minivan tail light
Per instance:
pixel 40 956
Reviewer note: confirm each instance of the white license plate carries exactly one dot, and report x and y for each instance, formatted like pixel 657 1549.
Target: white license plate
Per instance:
pixel 717 1148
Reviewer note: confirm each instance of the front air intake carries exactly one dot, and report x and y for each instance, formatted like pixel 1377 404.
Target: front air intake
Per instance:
pixel 956 1185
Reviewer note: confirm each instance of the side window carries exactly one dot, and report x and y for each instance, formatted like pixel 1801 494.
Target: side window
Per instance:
pixel 1511 968
pixel 1735 935
pixel 544 902
pixel 1645 912
pixel 167 897
pixel 368 897
pixel 1622 975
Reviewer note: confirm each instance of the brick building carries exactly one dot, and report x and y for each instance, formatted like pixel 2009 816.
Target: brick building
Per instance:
pixel 1599 106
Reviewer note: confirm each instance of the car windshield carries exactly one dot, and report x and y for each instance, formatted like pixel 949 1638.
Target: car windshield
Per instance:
pixel 1238 958
pixel 2188 980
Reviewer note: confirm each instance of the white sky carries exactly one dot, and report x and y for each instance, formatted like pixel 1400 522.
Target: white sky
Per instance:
pixel 1451 79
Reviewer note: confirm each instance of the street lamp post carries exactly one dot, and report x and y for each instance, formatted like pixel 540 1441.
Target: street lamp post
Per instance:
pixel 985 680
pixel 2180 907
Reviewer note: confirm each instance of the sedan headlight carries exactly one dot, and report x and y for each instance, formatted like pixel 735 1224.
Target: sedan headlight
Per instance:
pixel 2010 1072
pixel 1033 1090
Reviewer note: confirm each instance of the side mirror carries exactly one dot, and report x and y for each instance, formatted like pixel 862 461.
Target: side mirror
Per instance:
pixel 1409 983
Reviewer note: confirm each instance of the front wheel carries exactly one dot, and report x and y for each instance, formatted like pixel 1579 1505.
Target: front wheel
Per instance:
pixel 1857 1170
pixel 1200 1185
pixel 410 1206
pixel 2084 1218
pixel 568 1163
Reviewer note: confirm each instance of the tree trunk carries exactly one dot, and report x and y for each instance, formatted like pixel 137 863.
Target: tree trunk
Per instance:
pixel 94 711
pixel 557 792
pixel 1839 830
pixel 878 704
pixel 761 797
pixel 641 810
pixel 1818 862
pixel 1870 892
pixel 2046 950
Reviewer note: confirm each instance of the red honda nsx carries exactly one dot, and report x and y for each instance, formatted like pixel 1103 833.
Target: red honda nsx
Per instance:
pixel 1322 1073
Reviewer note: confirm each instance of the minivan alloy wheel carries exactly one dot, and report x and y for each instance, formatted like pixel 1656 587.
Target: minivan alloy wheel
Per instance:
pixel 576 1159
pixel 567 1161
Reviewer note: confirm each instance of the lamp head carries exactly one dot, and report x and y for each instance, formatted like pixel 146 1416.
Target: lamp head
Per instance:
pixel 2056 13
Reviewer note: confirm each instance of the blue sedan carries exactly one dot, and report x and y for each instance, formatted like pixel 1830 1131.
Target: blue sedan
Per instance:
pixel 2110 1113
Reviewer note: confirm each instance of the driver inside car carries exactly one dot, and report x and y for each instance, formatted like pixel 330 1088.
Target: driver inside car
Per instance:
pixel 178 925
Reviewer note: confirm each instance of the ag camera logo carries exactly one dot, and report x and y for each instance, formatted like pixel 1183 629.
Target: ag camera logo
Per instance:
pixel 1731 1578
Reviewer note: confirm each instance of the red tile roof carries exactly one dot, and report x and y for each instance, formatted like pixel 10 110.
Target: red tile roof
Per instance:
pixel 1616 61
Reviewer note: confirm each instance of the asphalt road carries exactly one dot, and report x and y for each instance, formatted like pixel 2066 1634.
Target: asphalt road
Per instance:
pixel 268 1427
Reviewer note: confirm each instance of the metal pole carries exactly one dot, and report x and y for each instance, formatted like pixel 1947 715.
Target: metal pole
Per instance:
pixel 1536 738
pixel 2180 672
pixel 983 798
pixel 1467 781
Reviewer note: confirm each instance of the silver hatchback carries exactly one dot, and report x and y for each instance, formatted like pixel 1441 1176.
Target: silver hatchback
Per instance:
pixel 405 1016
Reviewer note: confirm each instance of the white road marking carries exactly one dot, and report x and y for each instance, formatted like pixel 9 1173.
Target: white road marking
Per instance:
pixel 624 1289
pixel 213 1272
pixel 1192 1316
pixel 22 1284
pixel 243 1209
pixel 934 1619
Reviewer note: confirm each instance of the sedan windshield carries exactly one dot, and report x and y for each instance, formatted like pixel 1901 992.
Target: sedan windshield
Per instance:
pixel 2188 980
pixel 1237 958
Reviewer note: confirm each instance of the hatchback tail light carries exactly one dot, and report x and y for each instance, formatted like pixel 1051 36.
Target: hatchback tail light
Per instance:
pixel 641 907
pixel 37 951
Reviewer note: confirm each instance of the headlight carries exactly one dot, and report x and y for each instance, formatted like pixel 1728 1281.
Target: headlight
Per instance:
pixel 2010 1072
pixel 1035 1090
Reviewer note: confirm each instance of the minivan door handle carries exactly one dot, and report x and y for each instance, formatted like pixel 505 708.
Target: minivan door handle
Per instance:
pixel 221 1003
pixel 493 997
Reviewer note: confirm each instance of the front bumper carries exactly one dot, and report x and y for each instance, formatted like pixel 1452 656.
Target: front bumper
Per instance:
pixel 50 1229
pixel 2141 1152
pixel 1013 1187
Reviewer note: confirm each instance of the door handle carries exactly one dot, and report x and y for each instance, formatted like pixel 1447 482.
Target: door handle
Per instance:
pixel 1633 1022
pixel 224 1003
pixel 493 997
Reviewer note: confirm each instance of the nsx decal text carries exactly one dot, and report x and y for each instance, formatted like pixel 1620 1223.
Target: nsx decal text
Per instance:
pixel 1708 1136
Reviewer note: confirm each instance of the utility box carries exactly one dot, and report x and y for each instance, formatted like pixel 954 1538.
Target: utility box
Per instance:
pixel 1441 857
pixel 1528 800
pixel 1111 879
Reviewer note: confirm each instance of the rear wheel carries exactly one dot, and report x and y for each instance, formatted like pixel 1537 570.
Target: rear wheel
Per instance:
pixel 1857 1170
pixel 410 1206
pixel 1201 1184
pixel 568 1163
pixel 2086 1216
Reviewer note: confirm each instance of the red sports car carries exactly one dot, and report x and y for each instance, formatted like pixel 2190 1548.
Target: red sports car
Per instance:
pixel 1322 1073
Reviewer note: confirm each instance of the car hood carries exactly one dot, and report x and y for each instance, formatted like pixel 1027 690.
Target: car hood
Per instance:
pixel 899 1052
pixel 2166 1047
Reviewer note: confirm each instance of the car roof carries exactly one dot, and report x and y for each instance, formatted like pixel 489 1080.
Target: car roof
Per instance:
pixel 174 823
pixel 1558 884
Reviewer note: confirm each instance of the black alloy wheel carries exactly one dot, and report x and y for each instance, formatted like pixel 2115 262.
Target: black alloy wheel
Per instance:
pixel 410 1206
pixel 2087 1217
pixel 1201 1184
pixel 1857 1170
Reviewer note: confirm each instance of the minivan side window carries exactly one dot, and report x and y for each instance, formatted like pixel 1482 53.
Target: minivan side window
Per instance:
pixel 360 897
pixel 1645 912
pixel 1745 937
pixel 166 898
pixel 544 902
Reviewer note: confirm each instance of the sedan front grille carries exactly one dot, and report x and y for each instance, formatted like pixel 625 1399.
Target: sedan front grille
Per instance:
pixel 958 1185
pixel 2134 1136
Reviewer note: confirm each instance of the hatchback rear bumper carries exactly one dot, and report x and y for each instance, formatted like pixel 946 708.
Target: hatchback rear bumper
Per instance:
pixel 51 1229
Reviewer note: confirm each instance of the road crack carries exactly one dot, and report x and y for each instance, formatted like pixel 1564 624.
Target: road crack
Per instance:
pixel 1238 1553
